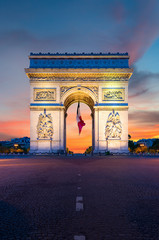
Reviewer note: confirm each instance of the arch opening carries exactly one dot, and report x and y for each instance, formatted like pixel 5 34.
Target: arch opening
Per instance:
pixel 79 97
pixel 73 141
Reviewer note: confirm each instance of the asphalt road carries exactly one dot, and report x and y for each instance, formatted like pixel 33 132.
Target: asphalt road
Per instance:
pixel 79 198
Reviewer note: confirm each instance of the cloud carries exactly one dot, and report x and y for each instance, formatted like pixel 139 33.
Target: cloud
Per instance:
pixel 143 105
pixel 24 40
pixel 144 124
pixel 117 26
pixel 138 93
pixel 140 79
pixel 118 11
pixel 140 131
pixel 12 129
pixel 144 117
pixel 143 91
pixel 135 27
pixel 5 137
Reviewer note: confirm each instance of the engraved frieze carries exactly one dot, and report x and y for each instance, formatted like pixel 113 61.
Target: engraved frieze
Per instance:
pixel 46 94
pixel 81 77
pixel 64 89
pixel 115 94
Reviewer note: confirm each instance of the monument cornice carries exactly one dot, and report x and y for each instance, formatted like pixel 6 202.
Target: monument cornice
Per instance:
pixel 48 108
pixel 78 70
pixel 59 75
pixel 77 56
pixel 110 108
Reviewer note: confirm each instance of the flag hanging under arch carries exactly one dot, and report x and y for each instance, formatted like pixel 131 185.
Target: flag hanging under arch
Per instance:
pixel 80 122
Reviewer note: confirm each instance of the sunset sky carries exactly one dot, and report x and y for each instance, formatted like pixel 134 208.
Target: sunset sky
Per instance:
pixel 79 26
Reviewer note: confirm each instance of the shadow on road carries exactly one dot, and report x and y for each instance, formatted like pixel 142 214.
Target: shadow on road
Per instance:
pixel 13 224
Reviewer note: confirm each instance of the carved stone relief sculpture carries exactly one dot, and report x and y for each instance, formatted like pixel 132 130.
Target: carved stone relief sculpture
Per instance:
pixel 64 89
pixel 116 94
pixel 45 94
pixel 44 127
pixel 113 126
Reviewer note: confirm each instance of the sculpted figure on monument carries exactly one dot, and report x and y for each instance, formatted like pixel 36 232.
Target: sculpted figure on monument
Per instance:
pixel 44 127
pixel 113 126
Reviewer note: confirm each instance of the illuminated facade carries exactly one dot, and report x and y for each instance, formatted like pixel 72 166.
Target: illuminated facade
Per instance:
pixel 98 80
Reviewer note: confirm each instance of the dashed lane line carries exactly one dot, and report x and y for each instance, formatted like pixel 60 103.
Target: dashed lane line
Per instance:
pixel 79 199
pixel 79 203
pixel 80 237
pixel 79 207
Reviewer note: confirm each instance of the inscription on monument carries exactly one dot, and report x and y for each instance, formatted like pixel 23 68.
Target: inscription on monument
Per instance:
pixel 46 94
pixel 113 94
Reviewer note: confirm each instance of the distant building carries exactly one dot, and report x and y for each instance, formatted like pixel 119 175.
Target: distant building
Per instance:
pixel 145 142
pixel 15 142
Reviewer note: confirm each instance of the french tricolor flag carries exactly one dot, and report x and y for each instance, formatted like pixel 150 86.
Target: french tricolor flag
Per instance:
pixel 80 122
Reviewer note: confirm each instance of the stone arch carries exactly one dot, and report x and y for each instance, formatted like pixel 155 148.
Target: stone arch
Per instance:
pixel 58 80
pixel 79 93
pixel 78 96
pixel 81 96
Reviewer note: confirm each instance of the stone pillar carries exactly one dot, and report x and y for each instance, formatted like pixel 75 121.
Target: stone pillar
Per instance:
pixel 65 116
pixel 92 115
pixel 96 130
pixel 58 143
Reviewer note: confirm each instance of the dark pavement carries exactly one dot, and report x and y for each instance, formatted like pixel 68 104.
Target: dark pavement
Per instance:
pixel 118 197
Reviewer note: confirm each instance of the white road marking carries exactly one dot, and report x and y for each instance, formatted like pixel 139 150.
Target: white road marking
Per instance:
pixel 79 199
pixel 79 203
pixel 79 206
pixel 80 237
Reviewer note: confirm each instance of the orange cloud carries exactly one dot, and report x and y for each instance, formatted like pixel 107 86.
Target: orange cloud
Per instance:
pixel 143 131
pixel 14 129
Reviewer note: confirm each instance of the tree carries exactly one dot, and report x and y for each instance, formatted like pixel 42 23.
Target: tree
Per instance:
pixel 88 150
pixel 140 149
pixel 155 145
pixel 4 149
pixel 131 145
pixel 129 136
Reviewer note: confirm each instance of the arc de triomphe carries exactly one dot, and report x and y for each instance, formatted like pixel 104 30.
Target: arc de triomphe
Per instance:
pixel 98 80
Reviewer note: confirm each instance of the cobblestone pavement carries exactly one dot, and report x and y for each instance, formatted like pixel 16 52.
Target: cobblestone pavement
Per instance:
pixel 79 197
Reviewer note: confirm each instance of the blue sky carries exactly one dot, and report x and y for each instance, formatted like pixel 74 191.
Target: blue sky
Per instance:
pixel 79 26
pixel 150 60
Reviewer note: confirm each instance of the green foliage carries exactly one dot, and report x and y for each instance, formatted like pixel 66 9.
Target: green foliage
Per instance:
pixel 107 153
pixel 155 145
pixel 4 149
pixel 140 149
pixel 152 151
pixel 129 136
pixel 68 151
pixel 88 150
pixel 131 146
